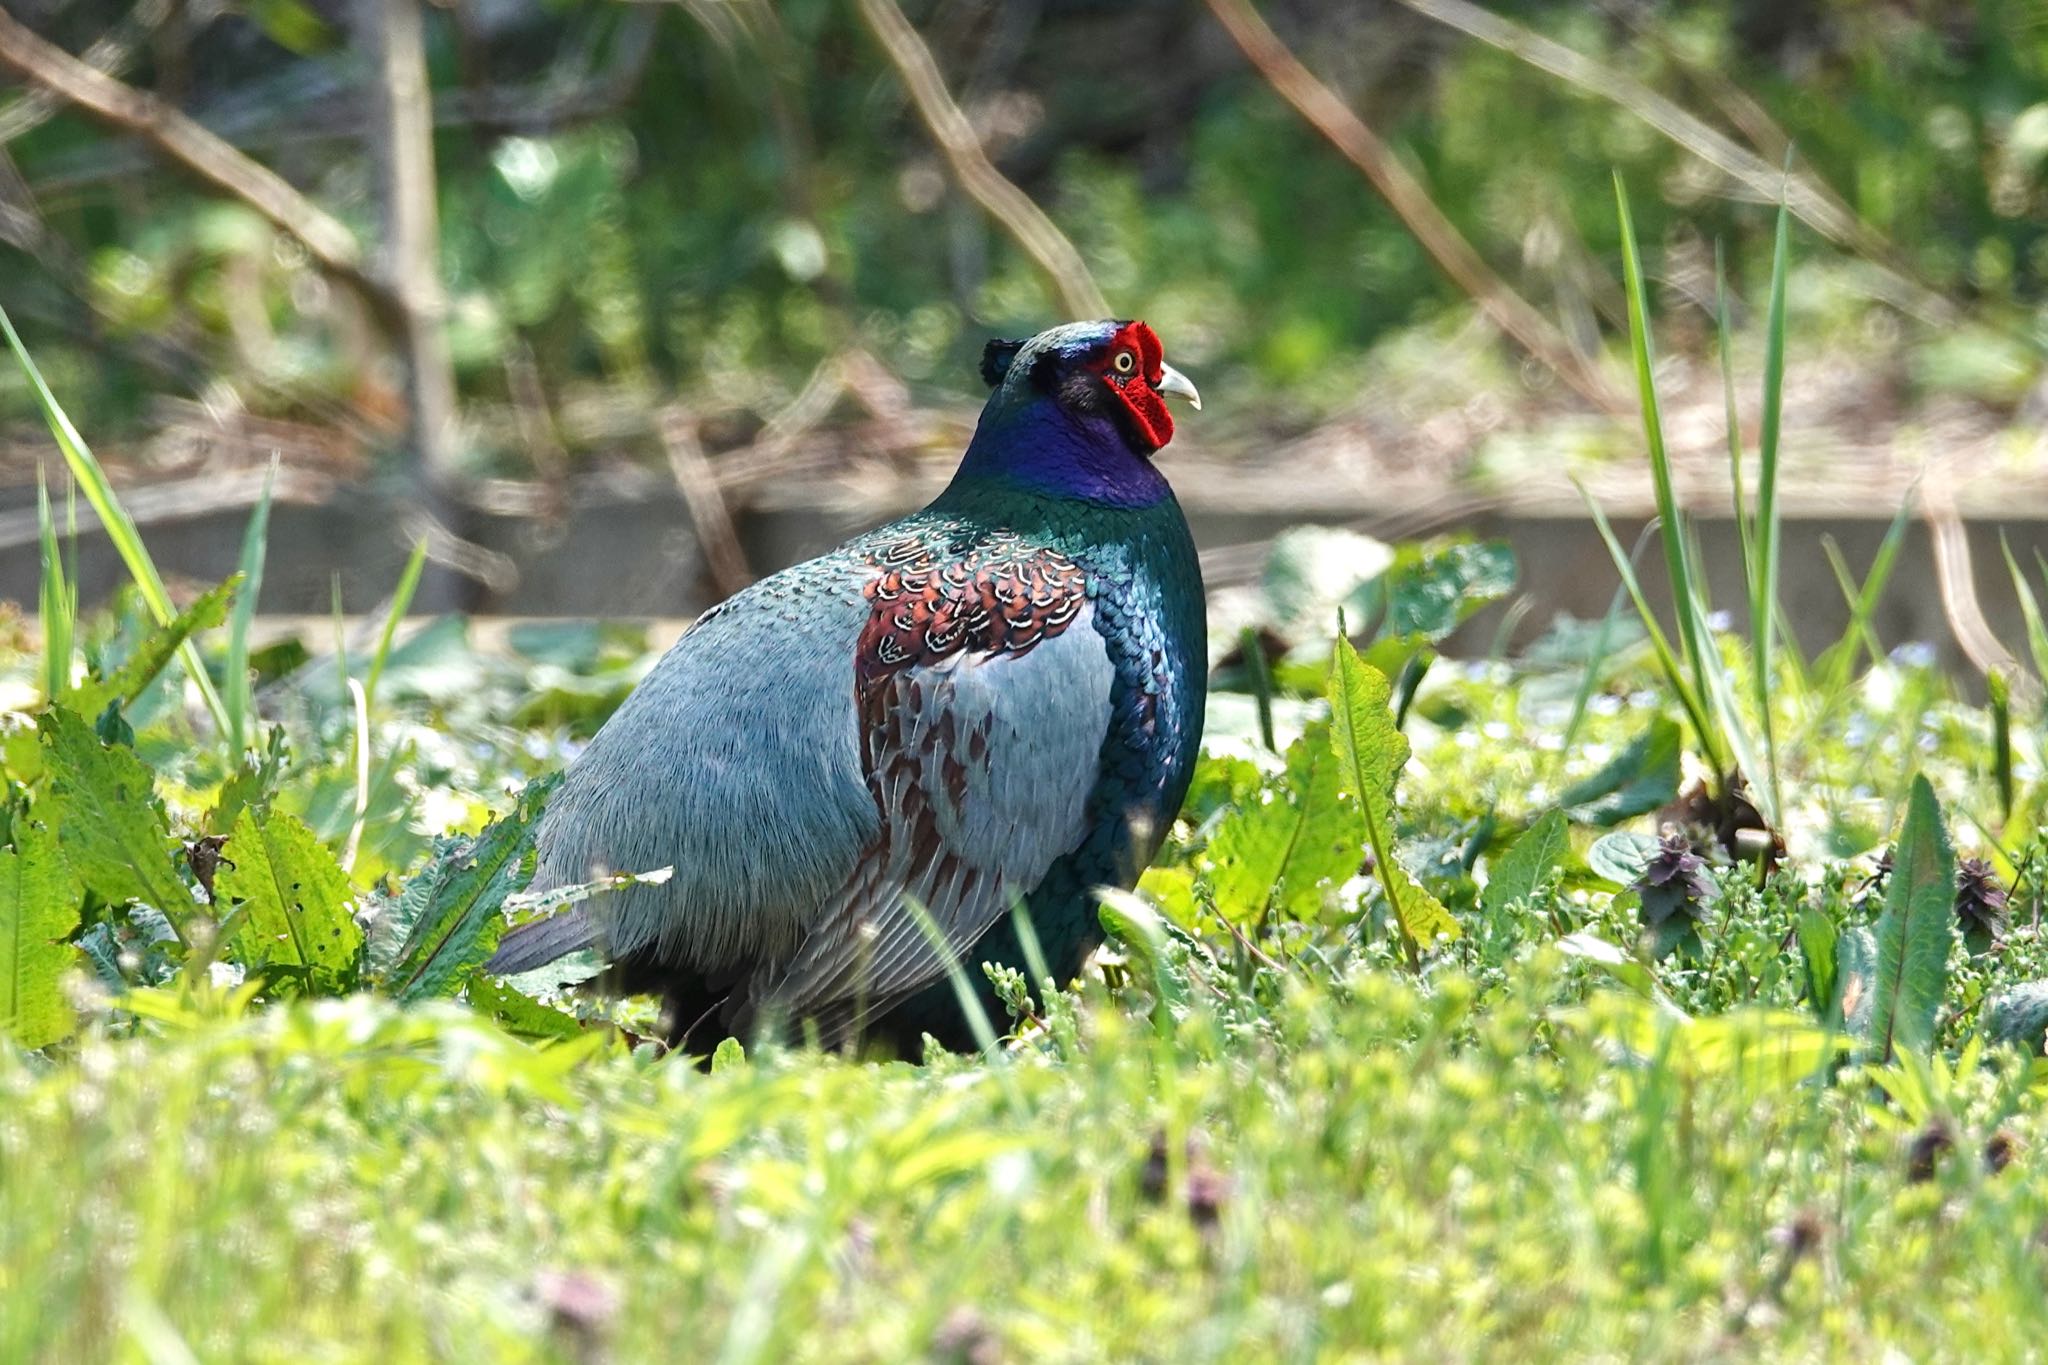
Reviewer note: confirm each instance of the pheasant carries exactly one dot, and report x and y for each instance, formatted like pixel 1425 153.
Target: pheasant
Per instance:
pixel 992 703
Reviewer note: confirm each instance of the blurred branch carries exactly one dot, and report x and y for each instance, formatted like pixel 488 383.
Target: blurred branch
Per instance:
pixel 497 572
pixel 190 146
pixel 1331 117
pixel 554 103
pixel 1811 202
pixel 110 54
pixel 698 484
pixel 1009 206
pixel 1737 105
pixel 400 139
pixel 1957 578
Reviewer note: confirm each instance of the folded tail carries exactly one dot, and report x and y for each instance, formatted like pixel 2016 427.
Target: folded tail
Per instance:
pixel 537 944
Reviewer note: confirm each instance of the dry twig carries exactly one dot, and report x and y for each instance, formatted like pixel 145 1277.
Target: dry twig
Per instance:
pixel 1957 578
pixel 1809 200
pixel 400 140
pixel 1335 120
pixel 1011 208
pixel 191 147
pixel 698 484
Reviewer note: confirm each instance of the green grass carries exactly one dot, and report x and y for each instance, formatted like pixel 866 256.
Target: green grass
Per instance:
pixel 1378 1169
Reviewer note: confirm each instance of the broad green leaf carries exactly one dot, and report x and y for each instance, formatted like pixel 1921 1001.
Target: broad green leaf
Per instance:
pixel 1372 753
pixel 286 904
pixel 520 1014
pixel 1172 889
pixel 38 910
pixel 108 819
pixel 1432 589
pixel 1517 873
pixel 454 906
pixel 1817 949
pixel 1291 843
pixel 140 669
pixel 1620 857
pixel 1914 933
pixel 1641 778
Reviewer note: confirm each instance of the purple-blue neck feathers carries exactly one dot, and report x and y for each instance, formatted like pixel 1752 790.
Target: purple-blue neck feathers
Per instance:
pixel 1027 441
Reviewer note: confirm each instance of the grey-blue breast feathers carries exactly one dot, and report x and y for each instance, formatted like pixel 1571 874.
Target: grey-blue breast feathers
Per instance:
pixel 735 763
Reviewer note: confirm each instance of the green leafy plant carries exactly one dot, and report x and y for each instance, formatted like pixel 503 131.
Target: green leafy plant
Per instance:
pixel 1914 934
pixel 38 913
pixel 1372 753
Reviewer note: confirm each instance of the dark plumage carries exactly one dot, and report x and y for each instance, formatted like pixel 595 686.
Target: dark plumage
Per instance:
pixel 993 701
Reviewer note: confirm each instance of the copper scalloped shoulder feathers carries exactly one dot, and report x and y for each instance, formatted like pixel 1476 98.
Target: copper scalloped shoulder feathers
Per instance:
pixel 999 594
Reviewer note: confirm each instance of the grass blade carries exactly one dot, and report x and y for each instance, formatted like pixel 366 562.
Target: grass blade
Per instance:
pixel 1735 729
pixel 1261 678
pixel 1743 530
pixel 1862 604
pixel 57 606
pixel 1693 702
pixel 1763 578
pixel 2001 740
pixel 2030 611
pixel 1677 563
pixel 401 601
pixel 340 639
pixel 238 696
pixel 1602 647
pixel 119 526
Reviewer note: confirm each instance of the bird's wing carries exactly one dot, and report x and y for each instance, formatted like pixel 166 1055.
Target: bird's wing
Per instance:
pixel 983 699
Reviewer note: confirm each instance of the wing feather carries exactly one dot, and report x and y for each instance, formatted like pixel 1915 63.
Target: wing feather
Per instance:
pixel 982 767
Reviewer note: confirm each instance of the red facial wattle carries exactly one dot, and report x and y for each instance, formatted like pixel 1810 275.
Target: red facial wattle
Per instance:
pixel 1133 365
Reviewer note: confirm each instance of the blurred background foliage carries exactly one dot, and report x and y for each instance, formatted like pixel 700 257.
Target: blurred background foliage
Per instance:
pixel 705 201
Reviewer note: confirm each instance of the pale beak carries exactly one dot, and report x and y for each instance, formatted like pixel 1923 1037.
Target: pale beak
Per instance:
pixel 1174 382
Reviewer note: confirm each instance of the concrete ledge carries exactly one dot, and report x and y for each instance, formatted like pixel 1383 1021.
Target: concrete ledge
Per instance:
pixel 633 554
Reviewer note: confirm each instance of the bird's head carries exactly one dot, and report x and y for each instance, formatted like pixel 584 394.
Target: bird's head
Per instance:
pixel 1096 372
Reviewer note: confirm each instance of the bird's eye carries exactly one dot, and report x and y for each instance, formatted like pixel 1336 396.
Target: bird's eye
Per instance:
pixel 1125 362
